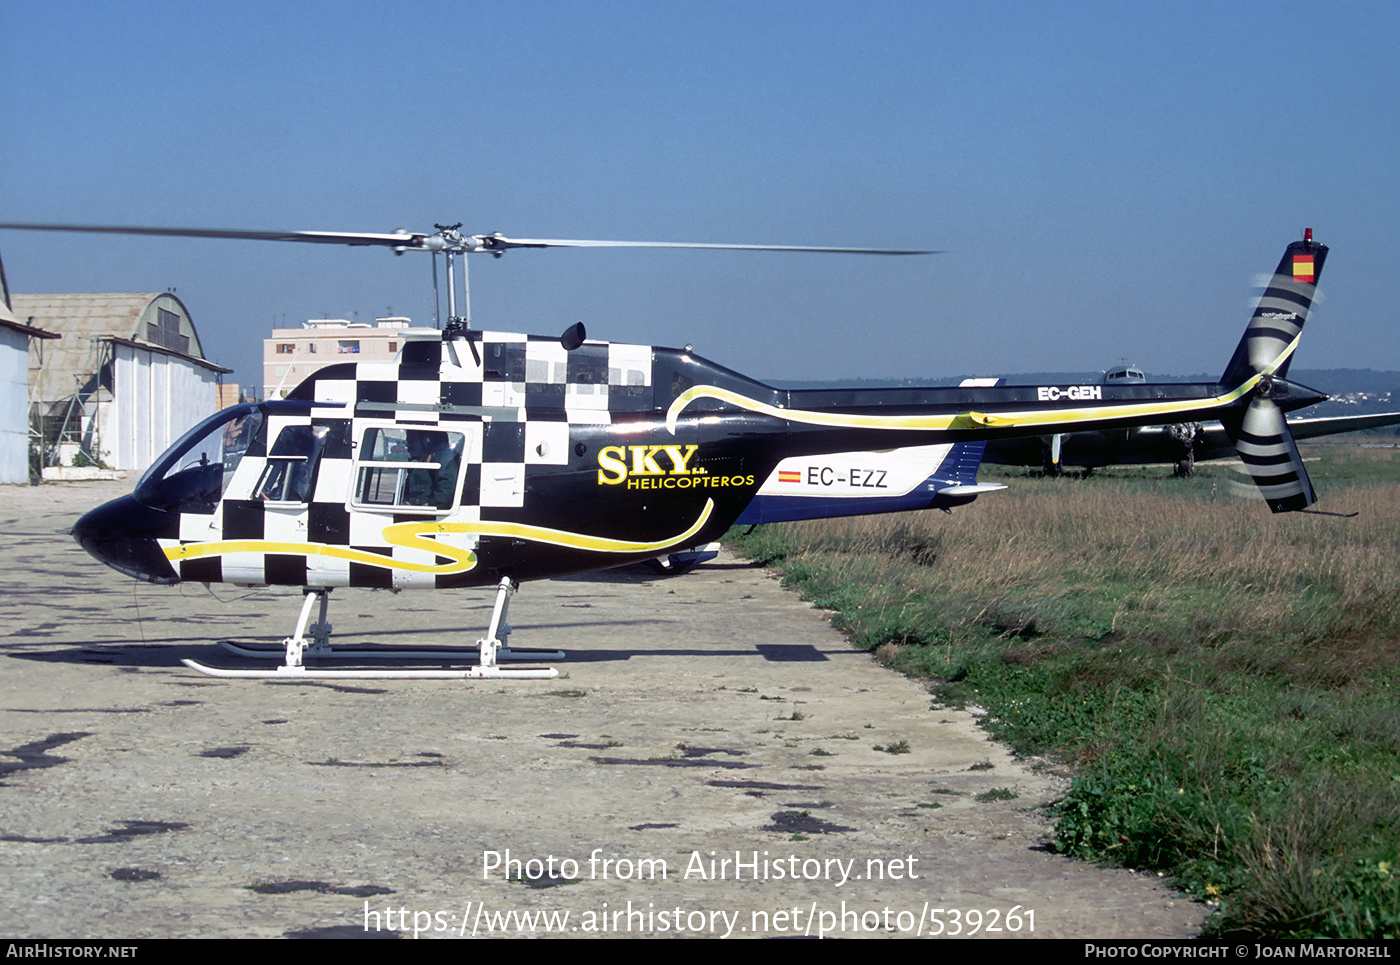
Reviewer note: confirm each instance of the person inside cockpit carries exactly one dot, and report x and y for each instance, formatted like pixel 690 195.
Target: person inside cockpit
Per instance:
pixel 432 486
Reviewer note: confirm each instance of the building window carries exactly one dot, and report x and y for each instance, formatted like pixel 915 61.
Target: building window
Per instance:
pixel 285 348
pixel 393 347
pixel 311 347
pixel 349 346
pixel 165 330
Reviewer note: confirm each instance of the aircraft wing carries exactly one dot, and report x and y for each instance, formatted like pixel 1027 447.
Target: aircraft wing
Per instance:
pixel 1154 444
pixel 1312 428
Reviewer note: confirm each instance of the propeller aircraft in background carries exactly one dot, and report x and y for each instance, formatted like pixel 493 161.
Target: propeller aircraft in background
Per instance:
pixel 1180 445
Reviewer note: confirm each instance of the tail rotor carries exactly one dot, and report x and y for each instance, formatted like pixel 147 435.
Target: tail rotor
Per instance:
pixel 1270 455
pixel 1260 434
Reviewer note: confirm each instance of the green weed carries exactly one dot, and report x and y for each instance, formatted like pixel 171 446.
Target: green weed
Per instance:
pixel 1223 680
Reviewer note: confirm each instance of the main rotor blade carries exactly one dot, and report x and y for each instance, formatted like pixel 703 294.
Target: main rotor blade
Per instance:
pixel 498 242
pixel 396 240
pixel 445 239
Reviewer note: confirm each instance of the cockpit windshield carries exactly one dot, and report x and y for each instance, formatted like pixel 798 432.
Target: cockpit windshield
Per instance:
pixel 194 472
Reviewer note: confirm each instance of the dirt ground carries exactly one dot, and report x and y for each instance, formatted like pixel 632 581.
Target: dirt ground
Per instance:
pixel 714 759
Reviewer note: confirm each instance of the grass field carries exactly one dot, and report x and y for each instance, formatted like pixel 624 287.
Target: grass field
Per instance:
pixel 1222 681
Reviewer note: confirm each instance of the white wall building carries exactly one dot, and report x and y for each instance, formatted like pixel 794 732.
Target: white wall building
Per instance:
pixel 126 381
pixel 15 339
pixel 291 354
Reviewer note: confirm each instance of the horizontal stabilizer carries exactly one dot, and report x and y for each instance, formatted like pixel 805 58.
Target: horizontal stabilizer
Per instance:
pixel 970 490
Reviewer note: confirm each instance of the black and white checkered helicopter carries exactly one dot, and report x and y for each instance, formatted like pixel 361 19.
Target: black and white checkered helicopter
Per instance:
pixel 482 458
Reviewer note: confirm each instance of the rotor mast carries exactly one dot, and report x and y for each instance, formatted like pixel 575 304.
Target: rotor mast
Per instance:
pixel 452 243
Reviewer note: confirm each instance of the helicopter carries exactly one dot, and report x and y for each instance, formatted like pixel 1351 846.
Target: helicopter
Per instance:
pixel 481 458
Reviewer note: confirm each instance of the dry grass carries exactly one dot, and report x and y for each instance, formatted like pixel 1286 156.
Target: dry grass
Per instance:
pixel 1223 677
pixel 1180 574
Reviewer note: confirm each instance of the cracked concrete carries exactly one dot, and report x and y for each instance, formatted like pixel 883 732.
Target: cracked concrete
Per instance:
pixel 706 764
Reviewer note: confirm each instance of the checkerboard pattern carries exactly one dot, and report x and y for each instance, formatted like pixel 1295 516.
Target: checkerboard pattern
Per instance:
pixel 519 404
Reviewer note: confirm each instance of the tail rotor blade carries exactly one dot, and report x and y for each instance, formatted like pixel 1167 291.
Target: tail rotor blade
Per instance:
pixel 1268 452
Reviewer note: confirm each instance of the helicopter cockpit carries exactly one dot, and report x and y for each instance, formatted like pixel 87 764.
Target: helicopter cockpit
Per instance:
pixel 193 473
pixel 189 477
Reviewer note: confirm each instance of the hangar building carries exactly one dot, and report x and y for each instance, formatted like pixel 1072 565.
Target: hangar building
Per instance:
pixel 127 379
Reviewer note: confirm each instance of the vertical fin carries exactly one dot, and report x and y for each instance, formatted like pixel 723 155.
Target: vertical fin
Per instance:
pixel 962 462
pixel 1272 334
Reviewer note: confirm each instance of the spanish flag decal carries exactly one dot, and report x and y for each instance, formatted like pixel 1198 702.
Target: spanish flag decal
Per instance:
pixel 1303 268
pixel 784 476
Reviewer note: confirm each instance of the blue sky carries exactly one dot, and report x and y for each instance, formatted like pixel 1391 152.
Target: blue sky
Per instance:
pixel 1106 178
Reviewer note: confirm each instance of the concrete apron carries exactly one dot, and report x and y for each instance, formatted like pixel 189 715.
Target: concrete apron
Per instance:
pixel 709 763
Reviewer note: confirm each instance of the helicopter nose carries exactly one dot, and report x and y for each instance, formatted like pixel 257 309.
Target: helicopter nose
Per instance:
pixel 123 535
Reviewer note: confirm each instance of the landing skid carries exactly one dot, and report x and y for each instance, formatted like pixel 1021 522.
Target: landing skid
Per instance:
pixel 256 651
pixel 297 647
pixel 302 673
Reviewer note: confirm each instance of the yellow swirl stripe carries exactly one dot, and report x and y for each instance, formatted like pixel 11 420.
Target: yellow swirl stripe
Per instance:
pixel 559 537
pixel 462 560
pixel 1285 355
pixel 416 536
pixel 954 421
